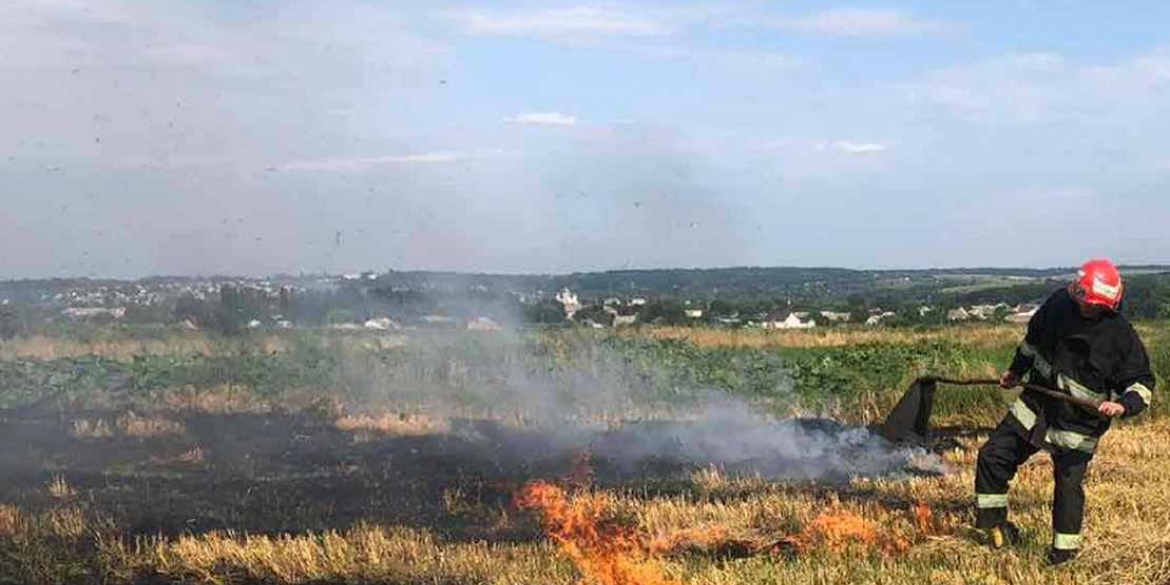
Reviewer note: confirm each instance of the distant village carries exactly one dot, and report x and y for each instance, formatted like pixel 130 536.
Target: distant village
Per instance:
pixel 625 313
pixel 355 302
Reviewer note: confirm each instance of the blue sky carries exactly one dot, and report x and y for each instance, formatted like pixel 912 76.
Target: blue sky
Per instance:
pixel 182 137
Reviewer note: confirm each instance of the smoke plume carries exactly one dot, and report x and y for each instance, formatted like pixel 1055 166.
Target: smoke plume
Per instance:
pixel 565 394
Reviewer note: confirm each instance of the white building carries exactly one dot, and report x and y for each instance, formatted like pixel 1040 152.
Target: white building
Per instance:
pixel 89 312
pixel 986 311
pixel 568 299
pixel 624 320
pixel 792 321
pixel 483 324
pixel 959 314
pixel 381 324
pixel 836 317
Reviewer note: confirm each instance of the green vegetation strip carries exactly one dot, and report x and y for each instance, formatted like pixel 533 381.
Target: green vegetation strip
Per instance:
pixel 854 383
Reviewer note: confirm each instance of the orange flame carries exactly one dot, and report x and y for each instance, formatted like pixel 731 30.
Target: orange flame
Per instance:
pixel 923 518
pixel 703 538
pixel 836 530
pixel 604 551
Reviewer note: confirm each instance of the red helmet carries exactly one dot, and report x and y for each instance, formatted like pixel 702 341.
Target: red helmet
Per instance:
pixel 1098 283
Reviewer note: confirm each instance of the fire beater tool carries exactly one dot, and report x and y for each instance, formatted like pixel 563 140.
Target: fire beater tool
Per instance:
pixel 909 421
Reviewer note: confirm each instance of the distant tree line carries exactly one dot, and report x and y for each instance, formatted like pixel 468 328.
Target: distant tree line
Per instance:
pixel 740 300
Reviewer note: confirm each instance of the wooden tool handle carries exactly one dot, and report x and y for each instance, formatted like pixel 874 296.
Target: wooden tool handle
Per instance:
pixel 1085 403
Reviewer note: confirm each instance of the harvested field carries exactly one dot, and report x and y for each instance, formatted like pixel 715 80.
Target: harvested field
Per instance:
pixel 288 498
pixel 276 473
pixel 236 483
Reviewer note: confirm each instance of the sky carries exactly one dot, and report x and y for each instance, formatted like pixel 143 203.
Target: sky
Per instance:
pixel 252 137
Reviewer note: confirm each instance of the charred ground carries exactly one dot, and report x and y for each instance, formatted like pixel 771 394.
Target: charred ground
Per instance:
pixel 277 473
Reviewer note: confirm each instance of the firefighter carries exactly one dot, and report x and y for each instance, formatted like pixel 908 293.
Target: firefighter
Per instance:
pixel 1078 343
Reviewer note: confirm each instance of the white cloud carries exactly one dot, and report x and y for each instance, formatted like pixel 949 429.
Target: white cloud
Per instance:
pixel 1031 87
pixel 851 147
pixel 865 22
pixel 560 23
pixel 542 119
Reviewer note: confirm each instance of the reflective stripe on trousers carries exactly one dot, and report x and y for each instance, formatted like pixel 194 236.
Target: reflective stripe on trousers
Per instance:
pixel 987 501
pixel 1066 541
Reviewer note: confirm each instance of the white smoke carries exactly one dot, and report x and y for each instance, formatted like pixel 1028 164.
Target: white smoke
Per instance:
pixel 577 393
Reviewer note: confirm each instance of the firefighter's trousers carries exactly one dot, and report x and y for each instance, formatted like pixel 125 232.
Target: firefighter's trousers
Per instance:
pixel 1005 450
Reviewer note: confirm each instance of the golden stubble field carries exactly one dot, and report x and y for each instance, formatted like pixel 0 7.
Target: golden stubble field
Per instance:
pixel 567 529
pixel 185 493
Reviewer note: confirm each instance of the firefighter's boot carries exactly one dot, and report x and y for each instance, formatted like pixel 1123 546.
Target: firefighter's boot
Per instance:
pixel 1002 535
pixel 1058 556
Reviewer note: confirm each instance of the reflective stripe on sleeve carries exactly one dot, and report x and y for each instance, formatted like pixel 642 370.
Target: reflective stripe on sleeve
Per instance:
pixel 1028 350
pixel 1061 541
pixel 1023 414
pixel 1076 388
pixel 984 501
pixel 1141 390
pixel 1071 440
pixel 1042 366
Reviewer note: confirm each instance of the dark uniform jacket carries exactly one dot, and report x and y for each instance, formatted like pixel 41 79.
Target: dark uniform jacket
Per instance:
pixel 1101 359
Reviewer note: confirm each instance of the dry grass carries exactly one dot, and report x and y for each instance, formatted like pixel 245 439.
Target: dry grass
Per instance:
pixel 871 531
pixel 984 336
pixel 363 553
pixel 393 424
pixel 129 424
pixel 222 399
pixel 67 522
pixel 142 427
pixel 12 521
pixel 193 456
pixel 90 428
pixel 51 348
pixel 59 489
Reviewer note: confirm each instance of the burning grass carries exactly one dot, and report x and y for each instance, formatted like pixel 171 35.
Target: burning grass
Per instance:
pixel 611 548
pixel 722 530
pixel 606 550
pixel 835 531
